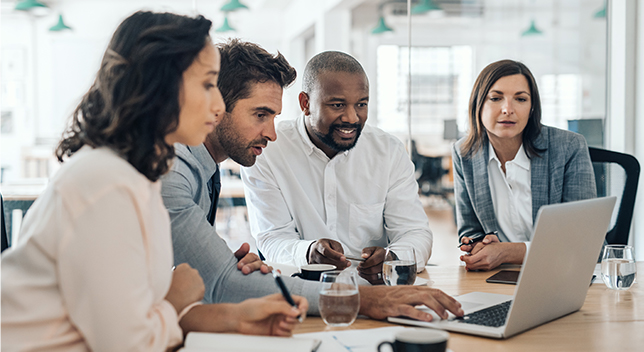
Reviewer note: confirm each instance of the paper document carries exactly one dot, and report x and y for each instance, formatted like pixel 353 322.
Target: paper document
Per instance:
pixel 366 340
pixel 211 342
pixel 353 340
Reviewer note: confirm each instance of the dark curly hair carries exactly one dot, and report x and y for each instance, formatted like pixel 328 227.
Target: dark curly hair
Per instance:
pixel 476 136
pixel 134 101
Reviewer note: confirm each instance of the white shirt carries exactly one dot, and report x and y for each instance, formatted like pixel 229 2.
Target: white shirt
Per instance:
pixel 512 195
pixel 367 196
pixel 93 264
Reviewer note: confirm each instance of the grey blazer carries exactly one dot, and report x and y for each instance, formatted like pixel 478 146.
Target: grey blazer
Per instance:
pixel 562 173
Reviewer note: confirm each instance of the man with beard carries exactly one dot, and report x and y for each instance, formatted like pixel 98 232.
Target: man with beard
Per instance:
pixel 251 81
pixel 331 186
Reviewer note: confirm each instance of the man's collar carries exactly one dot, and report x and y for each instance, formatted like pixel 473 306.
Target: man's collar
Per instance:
pixel 204 158
pixel 301 128
pixel 310 146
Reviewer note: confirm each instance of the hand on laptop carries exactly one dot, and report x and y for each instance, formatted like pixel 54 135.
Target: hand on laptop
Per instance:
pixel 372 266
pixel 249 262
pixel 327 251
pixel 380 302
pixel 487 256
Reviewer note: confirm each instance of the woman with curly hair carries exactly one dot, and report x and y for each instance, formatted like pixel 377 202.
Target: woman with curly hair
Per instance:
pixel 93 268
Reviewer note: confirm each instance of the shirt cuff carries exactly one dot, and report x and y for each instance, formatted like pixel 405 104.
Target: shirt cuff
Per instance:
pixel 187 309
pixel 527 246
pixel 300 253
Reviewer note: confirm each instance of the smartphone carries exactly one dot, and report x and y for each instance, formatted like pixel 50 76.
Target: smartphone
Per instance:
pixel 504 277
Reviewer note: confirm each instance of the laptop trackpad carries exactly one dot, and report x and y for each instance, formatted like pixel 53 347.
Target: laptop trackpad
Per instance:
pixel 470 306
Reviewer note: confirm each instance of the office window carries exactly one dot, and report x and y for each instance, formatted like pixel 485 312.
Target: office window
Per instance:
pixel 440 87
pixel 560 99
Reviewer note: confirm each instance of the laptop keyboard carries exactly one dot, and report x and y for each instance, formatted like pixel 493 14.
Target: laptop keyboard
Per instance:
pixel 493 316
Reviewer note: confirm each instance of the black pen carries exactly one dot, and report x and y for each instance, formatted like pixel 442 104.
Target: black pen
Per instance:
pixel 285 293
pixel 477 237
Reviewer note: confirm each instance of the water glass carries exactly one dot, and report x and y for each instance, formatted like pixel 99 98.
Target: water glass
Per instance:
pixel 339 297
pixel 399 267
pixel 618 267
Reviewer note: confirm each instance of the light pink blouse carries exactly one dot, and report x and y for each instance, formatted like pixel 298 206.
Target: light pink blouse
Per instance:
pixel 93 264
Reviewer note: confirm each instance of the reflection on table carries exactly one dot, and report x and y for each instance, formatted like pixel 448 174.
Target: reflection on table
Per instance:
pixel 608 321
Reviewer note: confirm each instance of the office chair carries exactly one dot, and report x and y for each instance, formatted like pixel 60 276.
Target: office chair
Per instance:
pixel 5 239
pixel 429 173
pixel 601 159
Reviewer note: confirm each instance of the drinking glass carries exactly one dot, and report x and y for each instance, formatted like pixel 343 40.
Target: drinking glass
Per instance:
pixel 618 267
pixel 339 297
pixel 399 267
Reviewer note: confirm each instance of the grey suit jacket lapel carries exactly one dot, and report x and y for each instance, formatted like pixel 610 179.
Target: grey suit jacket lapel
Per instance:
pixel 539 175
pixel 483 201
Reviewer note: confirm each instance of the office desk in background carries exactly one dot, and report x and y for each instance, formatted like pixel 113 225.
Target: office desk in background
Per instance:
pixel 608 321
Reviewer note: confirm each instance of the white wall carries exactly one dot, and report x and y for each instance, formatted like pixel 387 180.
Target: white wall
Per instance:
pixel 626 97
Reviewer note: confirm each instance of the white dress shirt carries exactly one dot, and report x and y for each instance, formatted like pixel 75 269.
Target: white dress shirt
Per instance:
pixel 367 196
pixel 512 195
pixel 93 264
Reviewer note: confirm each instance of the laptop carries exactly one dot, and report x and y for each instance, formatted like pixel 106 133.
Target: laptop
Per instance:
pixel 555 277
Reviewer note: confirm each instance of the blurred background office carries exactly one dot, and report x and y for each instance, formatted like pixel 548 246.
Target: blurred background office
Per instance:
pixel 584 54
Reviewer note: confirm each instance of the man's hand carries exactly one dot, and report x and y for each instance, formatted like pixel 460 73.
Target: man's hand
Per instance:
pixel 380 302
pixel 328 251
pixel 372 266
pixel 487 256
pixel 249 262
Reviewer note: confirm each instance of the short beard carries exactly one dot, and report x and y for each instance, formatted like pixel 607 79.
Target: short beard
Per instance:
pixel 234 146
pixel 328 140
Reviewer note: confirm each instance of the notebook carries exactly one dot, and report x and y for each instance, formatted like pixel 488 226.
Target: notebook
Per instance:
pixel 554 280
pixel 213 342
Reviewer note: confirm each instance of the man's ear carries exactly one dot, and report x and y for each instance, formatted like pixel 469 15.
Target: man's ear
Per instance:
pixel 304 102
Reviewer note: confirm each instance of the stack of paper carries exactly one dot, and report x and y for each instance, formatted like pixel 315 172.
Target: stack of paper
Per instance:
pixel 211 342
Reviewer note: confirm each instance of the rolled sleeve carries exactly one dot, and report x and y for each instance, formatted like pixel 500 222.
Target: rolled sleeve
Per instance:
pixel 405 220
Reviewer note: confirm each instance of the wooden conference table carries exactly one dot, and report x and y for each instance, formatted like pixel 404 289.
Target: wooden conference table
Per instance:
pixel 609 320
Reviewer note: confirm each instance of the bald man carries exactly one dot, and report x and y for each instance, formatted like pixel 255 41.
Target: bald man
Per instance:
pixel 331 186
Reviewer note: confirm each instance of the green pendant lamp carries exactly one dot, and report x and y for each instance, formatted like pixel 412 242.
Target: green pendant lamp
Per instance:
pixel 424 7
pixel 381 27
pixel 601 13
pixel 27 5
pixel 533 30
pixel 60 26
pixel 233 5
pixel 225 27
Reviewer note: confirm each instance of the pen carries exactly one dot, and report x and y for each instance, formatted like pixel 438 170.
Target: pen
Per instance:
pixel 478 237
pixel 350 257
pixel 285 293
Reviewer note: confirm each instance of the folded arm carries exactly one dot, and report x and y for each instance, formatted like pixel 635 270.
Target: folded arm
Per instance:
pixel 197 243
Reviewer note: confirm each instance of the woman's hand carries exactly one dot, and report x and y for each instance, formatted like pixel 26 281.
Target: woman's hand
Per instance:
pixel 270 315
pixel 469 248
pixel 186 288
pixel 487 256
